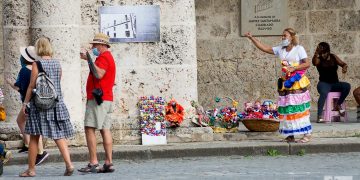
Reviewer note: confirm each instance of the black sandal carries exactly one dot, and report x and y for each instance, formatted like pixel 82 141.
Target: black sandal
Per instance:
pixel 289 139
pixel 90 168
pixel 107 168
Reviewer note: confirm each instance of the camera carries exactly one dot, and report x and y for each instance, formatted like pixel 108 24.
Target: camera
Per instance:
pixel 97 93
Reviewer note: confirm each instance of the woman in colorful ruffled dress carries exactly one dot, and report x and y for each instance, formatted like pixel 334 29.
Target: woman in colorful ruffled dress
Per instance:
pixel 293 86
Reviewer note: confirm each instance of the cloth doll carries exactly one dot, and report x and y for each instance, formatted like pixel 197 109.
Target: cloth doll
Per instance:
pixel 290 78
pixel 174 113
pixel 202 118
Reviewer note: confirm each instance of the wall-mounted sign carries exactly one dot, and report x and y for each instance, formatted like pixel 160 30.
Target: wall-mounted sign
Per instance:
pixel 131 23
pixel 264 17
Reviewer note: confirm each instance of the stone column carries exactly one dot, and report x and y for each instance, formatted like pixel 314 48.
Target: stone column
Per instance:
pixel 15 34
pixel 1 48
pixel 59 20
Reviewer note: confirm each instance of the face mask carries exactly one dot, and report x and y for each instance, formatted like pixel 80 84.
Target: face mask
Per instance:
pixel 284 43
pixel 95 52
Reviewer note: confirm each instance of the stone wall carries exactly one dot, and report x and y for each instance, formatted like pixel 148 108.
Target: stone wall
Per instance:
pixel 229 65
pixel 1 49
pixel 15 34
pixel 167 68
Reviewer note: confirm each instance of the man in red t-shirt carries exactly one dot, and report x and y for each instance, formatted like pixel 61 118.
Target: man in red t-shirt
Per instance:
pixel 97 115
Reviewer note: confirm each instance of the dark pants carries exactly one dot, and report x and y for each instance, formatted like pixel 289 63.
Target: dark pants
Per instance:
pixel 324 88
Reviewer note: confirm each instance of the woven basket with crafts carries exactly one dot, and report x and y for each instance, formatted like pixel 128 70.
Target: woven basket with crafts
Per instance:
pixel 261 117
pixel 261 125
pixel 224 117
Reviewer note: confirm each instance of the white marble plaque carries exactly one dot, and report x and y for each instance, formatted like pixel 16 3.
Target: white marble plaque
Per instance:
pixel 264 17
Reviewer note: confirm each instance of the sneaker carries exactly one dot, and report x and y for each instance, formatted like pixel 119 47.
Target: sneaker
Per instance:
pixel 341 111
pixel 320 119
pixel 41 158
pixel 24 149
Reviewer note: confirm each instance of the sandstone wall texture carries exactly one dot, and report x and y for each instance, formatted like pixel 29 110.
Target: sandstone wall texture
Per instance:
pixel 229 65
pixel 167 68
pixel 1 49
pixel 15 34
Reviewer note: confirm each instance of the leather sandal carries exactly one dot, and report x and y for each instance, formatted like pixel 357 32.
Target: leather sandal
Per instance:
pixel 107 168
pixel 69 171
pixel 27 173
pixel 90 168
pixel 288 139
pixel 304 139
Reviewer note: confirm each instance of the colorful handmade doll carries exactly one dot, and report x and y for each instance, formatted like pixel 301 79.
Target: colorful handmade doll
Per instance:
pixel 257 110
pixel 273 108
pixel 290 78
pixel 2 108
pixel 202 118
pixel 248 107
pixel 266 109
pixel 174 113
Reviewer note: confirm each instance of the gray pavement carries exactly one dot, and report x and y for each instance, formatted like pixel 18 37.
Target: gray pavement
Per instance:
pixel 340 166
pixel 134 160
pixel 215 148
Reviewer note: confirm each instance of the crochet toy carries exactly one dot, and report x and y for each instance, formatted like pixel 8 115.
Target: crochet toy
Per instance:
pixel 257 110
pixel 248 107
pixel 152 112
pixel 266 110
pixel 290 78
pixel 202 118
pixel 174 113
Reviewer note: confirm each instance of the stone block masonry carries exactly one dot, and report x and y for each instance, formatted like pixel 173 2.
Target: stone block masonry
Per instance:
pixel 167 68
pixel 229 65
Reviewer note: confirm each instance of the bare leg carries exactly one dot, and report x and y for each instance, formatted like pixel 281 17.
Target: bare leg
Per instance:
pixel 107 143
pixel 40 145
pixel 21 123
pixel 34 139
pixel 91 144
pixel 63 147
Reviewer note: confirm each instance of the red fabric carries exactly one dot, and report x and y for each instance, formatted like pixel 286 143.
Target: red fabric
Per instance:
pixel 174 115
pixel 106 62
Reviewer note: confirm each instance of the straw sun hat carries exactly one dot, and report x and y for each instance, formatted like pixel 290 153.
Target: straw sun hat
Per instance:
pixel 101 38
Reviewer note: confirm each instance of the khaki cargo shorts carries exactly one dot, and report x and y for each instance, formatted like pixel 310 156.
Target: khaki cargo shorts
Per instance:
pixel 98 116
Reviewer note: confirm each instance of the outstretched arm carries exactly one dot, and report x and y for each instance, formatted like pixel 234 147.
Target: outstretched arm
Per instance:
pixel 259 45
pixel 12 85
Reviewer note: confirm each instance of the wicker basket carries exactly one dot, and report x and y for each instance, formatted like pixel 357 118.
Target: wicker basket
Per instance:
pixel 261 125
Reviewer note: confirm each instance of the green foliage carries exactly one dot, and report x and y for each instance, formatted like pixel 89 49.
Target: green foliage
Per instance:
pixel 273 152
pixel 301 152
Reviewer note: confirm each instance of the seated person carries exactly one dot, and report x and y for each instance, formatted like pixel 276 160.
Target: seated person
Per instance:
pixel 327 65
pixel 357 99
pixel 5 155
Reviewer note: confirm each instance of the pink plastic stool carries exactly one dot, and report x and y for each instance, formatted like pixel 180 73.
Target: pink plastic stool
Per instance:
pixel 330 103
